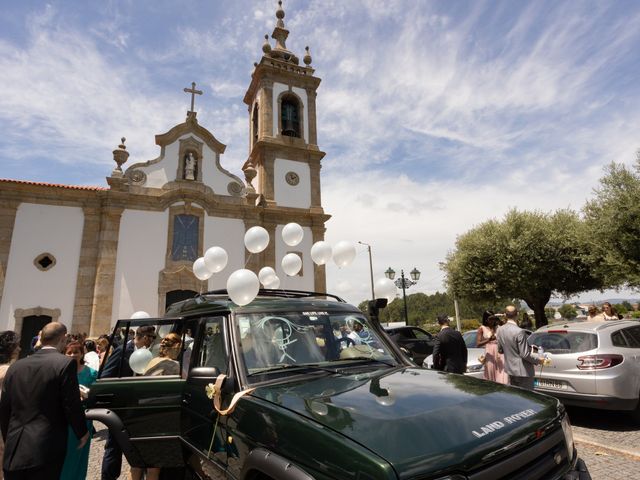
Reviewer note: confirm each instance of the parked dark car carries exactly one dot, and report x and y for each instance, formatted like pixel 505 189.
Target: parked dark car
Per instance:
pixel 313 405
pixel 415 340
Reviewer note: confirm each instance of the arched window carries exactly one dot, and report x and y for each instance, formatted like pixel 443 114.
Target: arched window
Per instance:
pixel 290 116
pixel 254 124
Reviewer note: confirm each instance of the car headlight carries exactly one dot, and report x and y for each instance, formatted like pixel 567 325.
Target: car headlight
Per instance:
pixel 568 436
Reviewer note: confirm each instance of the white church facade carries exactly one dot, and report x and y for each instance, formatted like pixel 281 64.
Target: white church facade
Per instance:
pixel 87 256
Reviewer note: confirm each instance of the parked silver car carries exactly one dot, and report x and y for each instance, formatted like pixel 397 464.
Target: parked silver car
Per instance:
pixel 593 364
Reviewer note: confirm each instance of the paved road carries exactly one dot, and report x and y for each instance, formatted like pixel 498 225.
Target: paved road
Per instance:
pixel 609 442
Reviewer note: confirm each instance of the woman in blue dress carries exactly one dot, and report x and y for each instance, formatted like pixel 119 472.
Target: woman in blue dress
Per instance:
pixel 76 461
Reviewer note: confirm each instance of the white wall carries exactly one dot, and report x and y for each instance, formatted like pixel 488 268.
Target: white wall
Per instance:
pixel 227 233
pixel 306 281
pixel 166 169
pixel 278 88
pixel 142 246
pixel 38 229
pixel 285 195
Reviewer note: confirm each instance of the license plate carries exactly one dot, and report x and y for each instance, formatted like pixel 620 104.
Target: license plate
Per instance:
pixel 552 384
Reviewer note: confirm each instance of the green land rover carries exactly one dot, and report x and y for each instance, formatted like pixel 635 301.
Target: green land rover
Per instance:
pixel 298 396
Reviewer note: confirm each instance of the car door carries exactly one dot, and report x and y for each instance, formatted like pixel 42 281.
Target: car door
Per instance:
pixel 423 345
pixel 203 429
pixel 148 406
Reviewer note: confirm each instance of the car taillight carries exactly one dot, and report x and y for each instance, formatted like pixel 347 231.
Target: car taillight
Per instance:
pixel 597 362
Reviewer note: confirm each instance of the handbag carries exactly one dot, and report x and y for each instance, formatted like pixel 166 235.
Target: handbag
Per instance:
pixel 482 359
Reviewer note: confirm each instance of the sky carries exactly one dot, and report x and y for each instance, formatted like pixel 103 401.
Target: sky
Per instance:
pixel 435 116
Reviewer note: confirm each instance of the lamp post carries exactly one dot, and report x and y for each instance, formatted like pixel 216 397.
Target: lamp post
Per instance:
pixel 404 283
pixel 373 295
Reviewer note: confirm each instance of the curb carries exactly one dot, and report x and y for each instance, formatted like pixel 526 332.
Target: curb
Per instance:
pixel 592 443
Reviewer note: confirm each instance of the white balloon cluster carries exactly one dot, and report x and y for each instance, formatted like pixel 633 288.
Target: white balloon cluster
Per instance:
pixel 243 285
pixel 385 288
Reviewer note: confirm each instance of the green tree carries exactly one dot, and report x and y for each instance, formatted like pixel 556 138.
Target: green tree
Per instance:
pixel 568 311
pixel 613 219
pixel 527 255
pixel 549 312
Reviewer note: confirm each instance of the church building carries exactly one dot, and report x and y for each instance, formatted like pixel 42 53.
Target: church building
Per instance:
pixel 87 256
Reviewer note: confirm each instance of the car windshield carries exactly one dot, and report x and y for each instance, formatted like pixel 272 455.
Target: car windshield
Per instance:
pixel 563 341
pixel 278 342
pixel 470 339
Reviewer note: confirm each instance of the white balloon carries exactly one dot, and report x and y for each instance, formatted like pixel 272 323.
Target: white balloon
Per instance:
pixel 385 288
pixel 321 252
pixel 291 264
pixel 139 360
pixel 343 253
pixel 256 239
pixel 215 258
pixel 243 286
pixel 200 270
pixel 265 275
pixel 273 284
pixel 140 314
pixel 292 234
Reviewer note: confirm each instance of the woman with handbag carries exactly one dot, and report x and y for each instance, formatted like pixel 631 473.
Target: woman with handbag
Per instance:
pixel 493 360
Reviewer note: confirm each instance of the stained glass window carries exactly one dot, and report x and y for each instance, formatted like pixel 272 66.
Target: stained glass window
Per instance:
pixel 185 238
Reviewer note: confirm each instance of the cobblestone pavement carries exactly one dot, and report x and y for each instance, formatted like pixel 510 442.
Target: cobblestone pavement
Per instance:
pixel 614 430
pixel 95 455
pixel 606 464
pixel 608 442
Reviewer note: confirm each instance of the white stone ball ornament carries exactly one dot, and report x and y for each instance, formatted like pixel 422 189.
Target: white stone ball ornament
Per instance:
pixel 256 239
pixel 321 252
pixel 243 286
pixel 292 234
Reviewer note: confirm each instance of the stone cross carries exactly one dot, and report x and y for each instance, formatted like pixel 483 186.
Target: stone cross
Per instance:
pixel 193 93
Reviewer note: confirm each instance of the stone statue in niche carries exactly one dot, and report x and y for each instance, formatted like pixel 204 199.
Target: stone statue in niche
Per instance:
pixel 190 165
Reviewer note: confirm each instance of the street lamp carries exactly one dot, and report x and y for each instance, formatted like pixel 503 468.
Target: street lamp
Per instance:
pixel 404 283
pixel 373 295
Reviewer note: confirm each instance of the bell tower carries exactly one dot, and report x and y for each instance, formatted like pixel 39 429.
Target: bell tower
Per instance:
pixel 283 144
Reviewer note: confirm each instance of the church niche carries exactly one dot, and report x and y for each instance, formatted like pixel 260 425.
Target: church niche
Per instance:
pixel 190 166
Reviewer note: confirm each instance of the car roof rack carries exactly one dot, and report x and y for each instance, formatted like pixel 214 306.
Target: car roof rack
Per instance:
pixel 280 293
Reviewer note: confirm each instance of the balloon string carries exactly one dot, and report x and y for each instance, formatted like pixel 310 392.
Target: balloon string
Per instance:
pixel 248 258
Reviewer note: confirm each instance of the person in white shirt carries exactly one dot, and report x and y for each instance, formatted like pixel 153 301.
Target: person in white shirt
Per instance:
pixel 91 357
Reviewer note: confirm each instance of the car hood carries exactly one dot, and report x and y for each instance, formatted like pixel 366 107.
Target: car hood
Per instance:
pixel 418 420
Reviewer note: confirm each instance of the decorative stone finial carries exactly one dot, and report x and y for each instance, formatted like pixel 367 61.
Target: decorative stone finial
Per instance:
pixel 266 46
pixel 280 15
pixel 120 156
pixel 307 56
pixel 249 174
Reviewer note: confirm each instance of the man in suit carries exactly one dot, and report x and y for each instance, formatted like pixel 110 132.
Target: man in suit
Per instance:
pixel 40 399
pixel 144 337
pixel 519 360
pixel 449 351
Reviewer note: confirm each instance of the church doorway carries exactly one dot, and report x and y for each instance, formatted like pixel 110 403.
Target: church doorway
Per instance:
pixel 177 296
pixel 31 326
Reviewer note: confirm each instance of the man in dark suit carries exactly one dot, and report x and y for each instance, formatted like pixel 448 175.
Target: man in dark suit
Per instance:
pixel 449 351
pixel 145 335
pixel 40 398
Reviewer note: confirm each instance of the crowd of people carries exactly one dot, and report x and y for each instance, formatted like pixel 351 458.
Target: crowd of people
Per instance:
pixel 45 434
pixel 508 357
